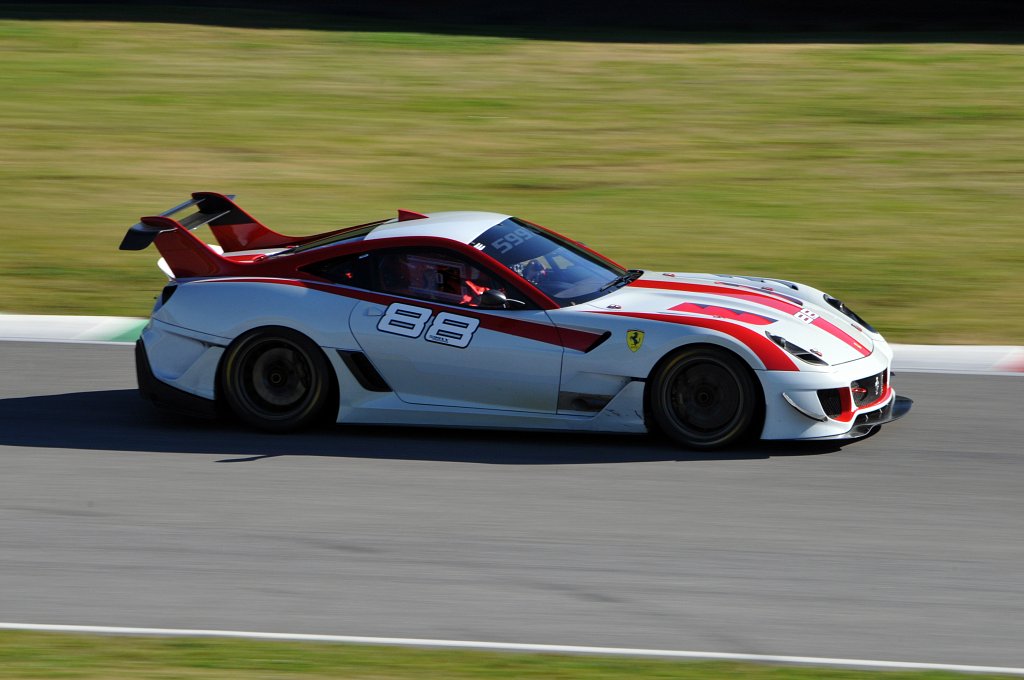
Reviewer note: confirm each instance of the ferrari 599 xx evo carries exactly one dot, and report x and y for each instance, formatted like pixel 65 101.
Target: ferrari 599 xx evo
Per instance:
pixel 478 319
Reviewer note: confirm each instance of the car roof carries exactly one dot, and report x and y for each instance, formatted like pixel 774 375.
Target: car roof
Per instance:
pixel 462 226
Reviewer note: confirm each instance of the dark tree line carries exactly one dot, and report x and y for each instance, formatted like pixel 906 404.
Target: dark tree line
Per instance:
pixel 542 17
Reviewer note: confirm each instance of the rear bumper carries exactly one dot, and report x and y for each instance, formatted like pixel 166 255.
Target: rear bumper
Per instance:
pixel 165 396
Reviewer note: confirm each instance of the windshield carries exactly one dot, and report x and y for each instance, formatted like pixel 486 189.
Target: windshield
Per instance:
pixel 562 270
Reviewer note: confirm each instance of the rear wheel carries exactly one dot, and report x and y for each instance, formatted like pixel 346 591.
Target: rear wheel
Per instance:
pixel 704 398
pixel 276 379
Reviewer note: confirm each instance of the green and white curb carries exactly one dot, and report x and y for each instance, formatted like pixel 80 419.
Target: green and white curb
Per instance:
pixel 995 359
pixel 44 328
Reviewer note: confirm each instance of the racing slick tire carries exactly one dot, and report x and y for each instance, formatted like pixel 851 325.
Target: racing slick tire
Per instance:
pixel 276 379
pixel 704 398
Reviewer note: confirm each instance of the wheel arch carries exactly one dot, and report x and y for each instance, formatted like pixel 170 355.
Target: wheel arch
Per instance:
pixel 334 391
pixel 715 344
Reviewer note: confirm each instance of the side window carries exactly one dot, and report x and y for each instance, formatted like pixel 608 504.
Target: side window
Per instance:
pixel 350 270
pixel 433 274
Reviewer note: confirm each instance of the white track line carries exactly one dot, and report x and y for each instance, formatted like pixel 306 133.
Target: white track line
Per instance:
pixel 515 646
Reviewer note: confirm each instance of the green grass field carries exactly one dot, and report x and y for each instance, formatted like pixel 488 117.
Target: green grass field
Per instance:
pixel 891 175
pixel 83 657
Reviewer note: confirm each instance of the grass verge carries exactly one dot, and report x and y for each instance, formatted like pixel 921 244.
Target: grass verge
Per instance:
pixel 49 655
pixel 887 174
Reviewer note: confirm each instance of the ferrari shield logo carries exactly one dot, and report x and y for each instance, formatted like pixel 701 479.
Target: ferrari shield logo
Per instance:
pixel 634 339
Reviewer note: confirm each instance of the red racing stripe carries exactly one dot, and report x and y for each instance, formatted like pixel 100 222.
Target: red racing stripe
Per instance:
pixel 724 312
pixel 569 338
pixel 754 296
pixel 837 332
pixel 771 355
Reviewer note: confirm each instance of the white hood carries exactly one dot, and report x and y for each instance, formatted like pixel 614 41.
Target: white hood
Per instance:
pixel 795 312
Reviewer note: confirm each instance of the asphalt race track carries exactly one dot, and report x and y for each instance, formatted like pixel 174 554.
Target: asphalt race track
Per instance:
pixel 906 546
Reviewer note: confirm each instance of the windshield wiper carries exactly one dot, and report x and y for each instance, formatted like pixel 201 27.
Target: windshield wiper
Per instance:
pixel 629 277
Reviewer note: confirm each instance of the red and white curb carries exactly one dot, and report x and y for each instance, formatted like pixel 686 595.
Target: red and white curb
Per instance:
pixel 1001 359
pixel 517 647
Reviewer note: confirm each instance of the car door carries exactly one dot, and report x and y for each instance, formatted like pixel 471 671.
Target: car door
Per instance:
pixel 425 335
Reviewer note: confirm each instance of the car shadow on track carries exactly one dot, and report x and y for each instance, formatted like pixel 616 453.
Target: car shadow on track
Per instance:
pixel 120 420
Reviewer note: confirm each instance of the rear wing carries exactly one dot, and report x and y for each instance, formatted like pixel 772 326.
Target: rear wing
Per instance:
pixel 187 256
pixel 233 228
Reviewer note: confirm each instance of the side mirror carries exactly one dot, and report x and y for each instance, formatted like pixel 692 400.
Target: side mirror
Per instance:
pixel 495 299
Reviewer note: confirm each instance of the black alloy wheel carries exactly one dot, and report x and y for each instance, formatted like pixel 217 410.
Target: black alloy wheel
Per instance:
pixel 704 398
pixel 276 379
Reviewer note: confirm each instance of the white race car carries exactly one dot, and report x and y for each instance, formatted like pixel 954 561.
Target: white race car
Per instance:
pixel 476 319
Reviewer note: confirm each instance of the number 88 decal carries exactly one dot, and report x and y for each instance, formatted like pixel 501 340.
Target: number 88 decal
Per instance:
pixel 447 329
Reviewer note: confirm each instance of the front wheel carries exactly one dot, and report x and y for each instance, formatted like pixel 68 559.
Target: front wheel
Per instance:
pixel 276 379
pixel 704 398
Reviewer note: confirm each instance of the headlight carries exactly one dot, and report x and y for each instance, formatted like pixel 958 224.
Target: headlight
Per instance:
pixel 797 351
pixel 841 307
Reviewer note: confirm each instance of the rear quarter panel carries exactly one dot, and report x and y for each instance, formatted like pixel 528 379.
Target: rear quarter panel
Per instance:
pixel 226 309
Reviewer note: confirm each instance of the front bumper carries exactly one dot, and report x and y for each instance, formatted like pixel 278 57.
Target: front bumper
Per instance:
pixel 866 423
pixel 847 401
